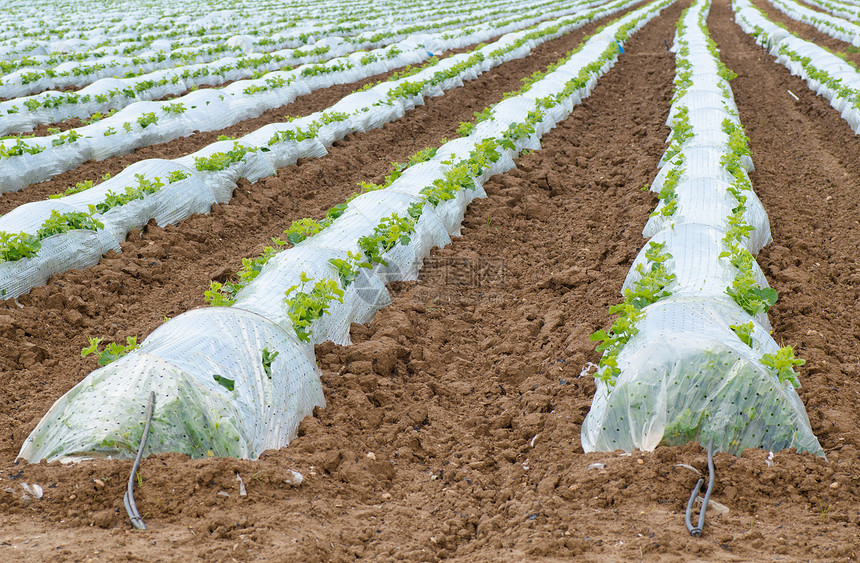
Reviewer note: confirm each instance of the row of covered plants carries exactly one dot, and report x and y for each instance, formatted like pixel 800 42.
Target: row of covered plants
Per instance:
pixel 227 58
pixel 826 74
pixel 102 98
pixel 27 161
pixel 34 29
pixel 690 356
pixel 847 10
pixel 833 26
pixel 209 175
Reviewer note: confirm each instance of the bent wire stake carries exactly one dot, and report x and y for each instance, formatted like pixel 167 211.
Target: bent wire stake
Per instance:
pixel 128 498
pixel 697 531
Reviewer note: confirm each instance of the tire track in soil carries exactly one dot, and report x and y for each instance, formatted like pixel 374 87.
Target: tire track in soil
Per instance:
pixel 806 31
pixel 466 389
pixel 164 272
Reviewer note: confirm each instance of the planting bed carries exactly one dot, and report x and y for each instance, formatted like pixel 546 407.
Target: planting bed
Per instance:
pixel 452 425
pixel 809 32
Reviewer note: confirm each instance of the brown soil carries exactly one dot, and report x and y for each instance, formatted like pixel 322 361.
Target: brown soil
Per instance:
pixel 63 126
pixel 452 426
pixel 807 32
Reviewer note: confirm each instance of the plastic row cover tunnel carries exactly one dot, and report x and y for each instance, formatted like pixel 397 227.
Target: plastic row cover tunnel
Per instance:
pixel 106 94
pixel 145 123
pixel 234 381
pixel 698 365
pixel 197 190
pixel 49 66
pixel 825 73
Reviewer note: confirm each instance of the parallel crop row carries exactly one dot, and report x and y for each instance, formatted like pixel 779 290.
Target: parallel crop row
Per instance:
pixel 102 98
pixel 237 380
pixel 225 55
pixel 91 220
pixel 825 73
pixel 833 26
pixel 843 9
pixel 36 28
pixel 690 356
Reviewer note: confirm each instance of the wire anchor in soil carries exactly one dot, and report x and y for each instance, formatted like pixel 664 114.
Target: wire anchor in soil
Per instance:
pixel 697 531
pixel 128 498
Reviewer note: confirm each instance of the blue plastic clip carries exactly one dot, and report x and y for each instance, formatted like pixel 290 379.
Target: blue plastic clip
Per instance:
pixel 620 47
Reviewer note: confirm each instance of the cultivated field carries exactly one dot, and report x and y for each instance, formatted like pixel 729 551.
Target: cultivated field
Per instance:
pixel 448 423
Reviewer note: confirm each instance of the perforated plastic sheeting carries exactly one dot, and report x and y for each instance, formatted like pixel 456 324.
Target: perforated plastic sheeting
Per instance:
pixel 59 253
pixel 84 248
pixel 253 166
pixel 686 376
pixel 205 110
pixel 210 109
pixel 695 261
pixel 848 10
pixel 361 299
pixel 284 154
pixel 831 25
pixel 699 162
pixel 404 260
pixel 156 68
pixel 705 201
pixel 413 49
pixel 173 202
pixel 103 416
